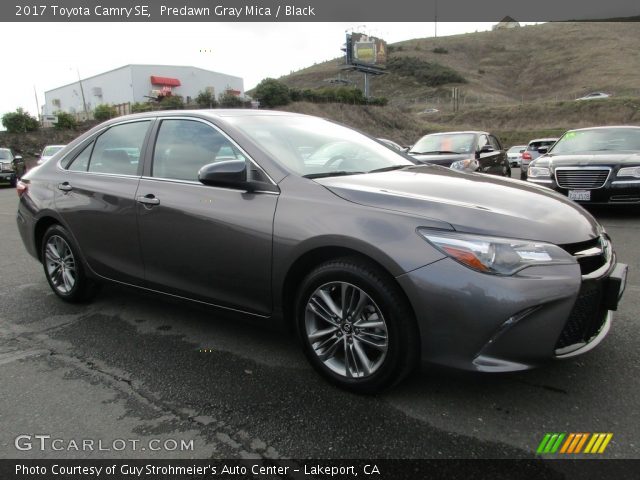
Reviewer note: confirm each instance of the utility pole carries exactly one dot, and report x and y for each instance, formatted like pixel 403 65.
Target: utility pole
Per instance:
pixel 436 19
pixel 37 104
pixel 84 102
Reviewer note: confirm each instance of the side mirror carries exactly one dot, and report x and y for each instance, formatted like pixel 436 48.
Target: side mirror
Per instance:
pixel 543 150
pixel 486 149
pixel 228 174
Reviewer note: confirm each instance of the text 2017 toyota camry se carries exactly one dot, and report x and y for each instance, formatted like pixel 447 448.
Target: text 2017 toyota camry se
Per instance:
pixel 377 262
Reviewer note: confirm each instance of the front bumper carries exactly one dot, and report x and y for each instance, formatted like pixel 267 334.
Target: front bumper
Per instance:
pixel 615 191
pixel 7 176
pixel 481 322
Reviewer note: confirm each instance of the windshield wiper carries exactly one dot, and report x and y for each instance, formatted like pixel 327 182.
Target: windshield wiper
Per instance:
pixel 435 152
pixel 337 173
pixel 388 169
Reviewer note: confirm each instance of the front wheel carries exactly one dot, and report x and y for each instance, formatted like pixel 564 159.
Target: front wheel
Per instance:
pixel 356 328
pixel 63 268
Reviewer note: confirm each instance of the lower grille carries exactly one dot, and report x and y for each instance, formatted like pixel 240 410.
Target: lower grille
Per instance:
pixel 582 178
pixel 587 317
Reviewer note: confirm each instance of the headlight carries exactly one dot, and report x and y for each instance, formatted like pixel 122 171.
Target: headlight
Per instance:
pixel 538 172
pixel 500 256
pixel 629 172
pixel 470 164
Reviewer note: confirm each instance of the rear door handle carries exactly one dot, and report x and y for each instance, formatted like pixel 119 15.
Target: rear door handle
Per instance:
pixel 65 187
pixel 149 199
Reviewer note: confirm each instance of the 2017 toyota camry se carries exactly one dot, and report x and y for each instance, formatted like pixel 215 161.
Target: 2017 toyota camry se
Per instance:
pixel 376 262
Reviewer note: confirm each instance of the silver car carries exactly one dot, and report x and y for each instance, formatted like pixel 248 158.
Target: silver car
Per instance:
pixel 377 263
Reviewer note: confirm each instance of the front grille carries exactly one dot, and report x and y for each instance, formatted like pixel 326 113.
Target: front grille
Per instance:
pixel 589 263
pixel 582 178
pixel 587 317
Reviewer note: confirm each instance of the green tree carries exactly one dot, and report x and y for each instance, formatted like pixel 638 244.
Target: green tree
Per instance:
pixel 139 107
pixel 229 100
pixel 19 121
pixel 105 112
pixel 66 121
pixel 172 102
pixel 206 99
pixel 272 93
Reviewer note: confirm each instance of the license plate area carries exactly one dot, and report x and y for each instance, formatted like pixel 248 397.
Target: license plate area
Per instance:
pixel 580 195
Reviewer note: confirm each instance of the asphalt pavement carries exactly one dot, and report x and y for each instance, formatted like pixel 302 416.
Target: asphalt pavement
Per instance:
pixel 168 379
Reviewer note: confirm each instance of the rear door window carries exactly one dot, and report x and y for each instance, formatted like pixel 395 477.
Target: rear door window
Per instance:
pixel 117 151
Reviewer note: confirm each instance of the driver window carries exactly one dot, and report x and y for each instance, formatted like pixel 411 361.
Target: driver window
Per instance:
pixel 185 146
pixel 482 141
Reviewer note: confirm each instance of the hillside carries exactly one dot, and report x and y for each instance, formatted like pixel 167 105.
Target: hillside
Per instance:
pixel 548 62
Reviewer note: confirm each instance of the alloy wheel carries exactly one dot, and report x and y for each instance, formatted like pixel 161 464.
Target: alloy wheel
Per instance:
pixel 61 264
pixel 346 330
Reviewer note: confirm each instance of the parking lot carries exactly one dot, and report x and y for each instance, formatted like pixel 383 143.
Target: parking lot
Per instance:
pixel 136 366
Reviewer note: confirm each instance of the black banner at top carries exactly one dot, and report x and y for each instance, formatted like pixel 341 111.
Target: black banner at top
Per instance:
pixel 315 10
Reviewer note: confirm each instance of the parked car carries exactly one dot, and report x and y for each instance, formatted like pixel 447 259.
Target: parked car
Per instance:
pixel 593 165
pixel 594 96
pixel 532 152
pixel 48 152
pixel 377 262
pixel 466 151
pixel 514 155
pixel 12 167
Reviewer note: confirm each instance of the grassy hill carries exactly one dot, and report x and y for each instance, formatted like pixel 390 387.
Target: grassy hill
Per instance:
pixel 548 62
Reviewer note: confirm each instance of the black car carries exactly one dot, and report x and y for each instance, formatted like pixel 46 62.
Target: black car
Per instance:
pixel 593 165
pixel 466 151
pixel 12 166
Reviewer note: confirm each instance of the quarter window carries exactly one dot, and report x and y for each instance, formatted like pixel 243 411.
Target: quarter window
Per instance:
pixel 117 151
pixel 185 146
pixel 81 162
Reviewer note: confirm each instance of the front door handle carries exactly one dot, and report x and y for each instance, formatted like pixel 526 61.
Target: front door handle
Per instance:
pixel 149 199
pixel 65 187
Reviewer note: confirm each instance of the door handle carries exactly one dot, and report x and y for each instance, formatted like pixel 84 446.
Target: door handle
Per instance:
pixel 65 187
pixel 149 199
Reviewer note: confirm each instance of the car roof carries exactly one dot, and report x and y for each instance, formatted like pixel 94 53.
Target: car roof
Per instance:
pixel 631 127
pixel 457 132
pixel 546 139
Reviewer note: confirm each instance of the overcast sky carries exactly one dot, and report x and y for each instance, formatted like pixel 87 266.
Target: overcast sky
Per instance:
pixel 48 55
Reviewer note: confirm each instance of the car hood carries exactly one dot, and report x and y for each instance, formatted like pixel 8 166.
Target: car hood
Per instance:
pixel 444 159
pixel 472 203
pixel 588 159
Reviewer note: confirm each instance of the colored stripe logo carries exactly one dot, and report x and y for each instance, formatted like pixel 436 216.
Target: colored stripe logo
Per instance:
pixel 568 443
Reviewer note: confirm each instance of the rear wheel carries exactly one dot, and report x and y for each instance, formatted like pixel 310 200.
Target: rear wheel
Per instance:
pixel 13 181
pixel 355 326
pixel 63 267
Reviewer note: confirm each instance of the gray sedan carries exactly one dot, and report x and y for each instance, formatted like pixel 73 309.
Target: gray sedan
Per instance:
pixel 375 261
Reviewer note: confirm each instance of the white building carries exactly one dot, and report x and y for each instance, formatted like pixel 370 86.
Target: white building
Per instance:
pixel 136 83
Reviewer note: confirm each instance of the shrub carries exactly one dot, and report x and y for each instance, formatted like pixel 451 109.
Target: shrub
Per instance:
pixel 440 50
pixel 272 93
pixel 104 112
pixel 19 122
pixel 229 100
pixel 429 73
pixel 206 99
pixel 66 121
pixel 172 102
pixel 139 107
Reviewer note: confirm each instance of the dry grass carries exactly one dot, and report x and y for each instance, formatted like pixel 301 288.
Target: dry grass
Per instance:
pixel 553 61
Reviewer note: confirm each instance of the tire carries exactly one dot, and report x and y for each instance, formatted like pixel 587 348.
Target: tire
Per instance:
pixel 523 176
pixel 362 359
pixel 63 267
pixel 13 181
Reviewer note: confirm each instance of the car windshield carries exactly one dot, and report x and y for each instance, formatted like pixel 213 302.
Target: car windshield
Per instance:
pixel 600 139
pixel 315 147
pixel 51 150
pixel 5 155
pixel 445 143
pixel 534 146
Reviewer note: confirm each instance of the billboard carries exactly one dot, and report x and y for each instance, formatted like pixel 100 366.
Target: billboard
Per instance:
pixel 365 50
